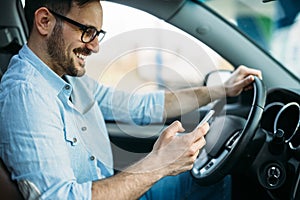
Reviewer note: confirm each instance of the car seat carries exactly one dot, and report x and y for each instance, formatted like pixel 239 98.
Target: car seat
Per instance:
pixel 8 189
pixel 13 31
pixel 13 34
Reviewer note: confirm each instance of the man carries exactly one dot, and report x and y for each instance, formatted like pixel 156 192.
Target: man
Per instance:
pixel 53 137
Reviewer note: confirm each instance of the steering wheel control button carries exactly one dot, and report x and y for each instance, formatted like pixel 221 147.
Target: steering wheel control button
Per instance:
pixel 233 140
pixel 209 165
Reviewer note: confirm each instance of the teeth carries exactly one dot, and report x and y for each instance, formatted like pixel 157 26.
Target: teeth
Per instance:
pixel 83 57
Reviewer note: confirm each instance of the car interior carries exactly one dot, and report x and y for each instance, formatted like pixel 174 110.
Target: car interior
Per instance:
pixel 13 34
pixel 263 165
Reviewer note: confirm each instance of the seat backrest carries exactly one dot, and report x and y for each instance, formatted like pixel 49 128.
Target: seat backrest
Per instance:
pixel 8 189
pixel 13 34
pixel 13 31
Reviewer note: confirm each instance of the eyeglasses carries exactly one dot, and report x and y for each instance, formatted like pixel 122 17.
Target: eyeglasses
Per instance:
pixel 88 32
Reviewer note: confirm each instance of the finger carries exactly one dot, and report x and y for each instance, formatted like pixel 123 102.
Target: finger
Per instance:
pixel 255 72
pixel 172 129
pixel 199 144
pixel 249 87
pixel 194 157
pixel 250 71
pixel 199 132
pixel 240 85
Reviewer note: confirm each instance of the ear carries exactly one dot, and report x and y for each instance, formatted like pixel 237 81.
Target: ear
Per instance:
pixel 44 21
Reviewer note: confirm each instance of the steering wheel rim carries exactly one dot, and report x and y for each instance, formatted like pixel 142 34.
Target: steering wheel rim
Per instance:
pixel 214 169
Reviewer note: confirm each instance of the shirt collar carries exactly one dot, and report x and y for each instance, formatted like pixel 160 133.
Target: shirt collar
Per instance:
pixel 52 78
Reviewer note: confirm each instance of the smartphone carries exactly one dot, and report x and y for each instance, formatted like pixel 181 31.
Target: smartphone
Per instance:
pixel 206 118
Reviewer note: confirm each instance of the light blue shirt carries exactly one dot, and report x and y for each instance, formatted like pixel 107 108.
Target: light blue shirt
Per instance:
pixel 55 147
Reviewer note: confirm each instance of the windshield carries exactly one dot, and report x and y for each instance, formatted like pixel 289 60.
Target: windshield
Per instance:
pixel 273 25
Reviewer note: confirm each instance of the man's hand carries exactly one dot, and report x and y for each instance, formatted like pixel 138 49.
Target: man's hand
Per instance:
pixel 177 153
pixel 240 80
pixel 171 155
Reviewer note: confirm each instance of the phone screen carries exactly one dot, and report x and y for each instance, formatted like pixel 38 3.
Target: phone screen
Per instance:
pixel 206 118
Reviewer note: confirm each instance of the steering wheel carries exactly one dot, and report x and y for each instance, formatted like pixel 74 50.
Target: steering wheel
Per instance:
pixel 228 139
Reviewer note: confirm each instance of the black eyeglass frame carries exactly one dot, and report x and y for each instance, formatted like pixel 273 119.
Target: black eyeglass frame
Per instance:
pixel 83 28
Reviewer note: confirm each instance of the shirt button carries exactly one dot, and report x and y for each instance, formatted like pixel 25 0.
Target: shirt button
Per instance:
pixel 74 140
pixel 84 128
pixel 67 87
pixel 92 158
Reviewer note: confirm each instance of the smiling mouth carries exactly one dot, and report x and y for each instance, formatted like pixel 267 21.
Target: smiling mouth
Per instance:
pixel 81 56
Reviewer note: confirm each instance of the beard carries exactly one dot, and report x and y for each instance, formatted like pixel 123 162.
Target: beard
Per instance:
pixel 62 63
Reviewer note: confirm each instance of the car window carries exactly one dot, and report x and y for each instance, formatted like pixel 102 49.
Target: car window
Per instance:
pixel 273 25
pixel 143 53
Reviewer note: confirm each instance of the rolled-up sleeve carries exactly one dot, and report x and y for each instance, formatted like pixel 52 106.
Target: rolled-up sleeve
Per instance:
pixel 134 108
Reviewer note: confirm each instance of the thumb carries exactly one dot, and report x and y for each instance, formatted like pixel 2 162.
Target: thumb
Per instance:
pixel 173 129
pixel 167 135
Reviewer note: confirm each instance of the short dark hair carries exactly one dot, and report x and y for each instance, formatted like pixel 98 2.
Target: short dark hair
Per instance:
pixel 60 6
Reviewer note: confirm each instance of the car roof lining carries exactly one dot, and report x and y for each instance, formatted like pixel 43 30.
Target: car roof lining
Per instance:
pixel 163 9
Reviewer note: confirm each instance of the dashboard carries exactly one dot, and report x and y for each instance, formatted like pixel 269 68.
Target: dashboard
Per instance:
pixel 281 117
pixel 276 166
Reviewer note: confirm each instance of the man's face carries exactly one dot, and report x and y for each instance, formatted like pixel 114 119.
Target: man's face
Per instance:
pixel 65 48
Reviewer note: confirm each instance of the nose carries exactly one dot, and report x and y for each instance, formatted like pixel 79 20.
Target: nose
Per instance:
pixel 93 45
